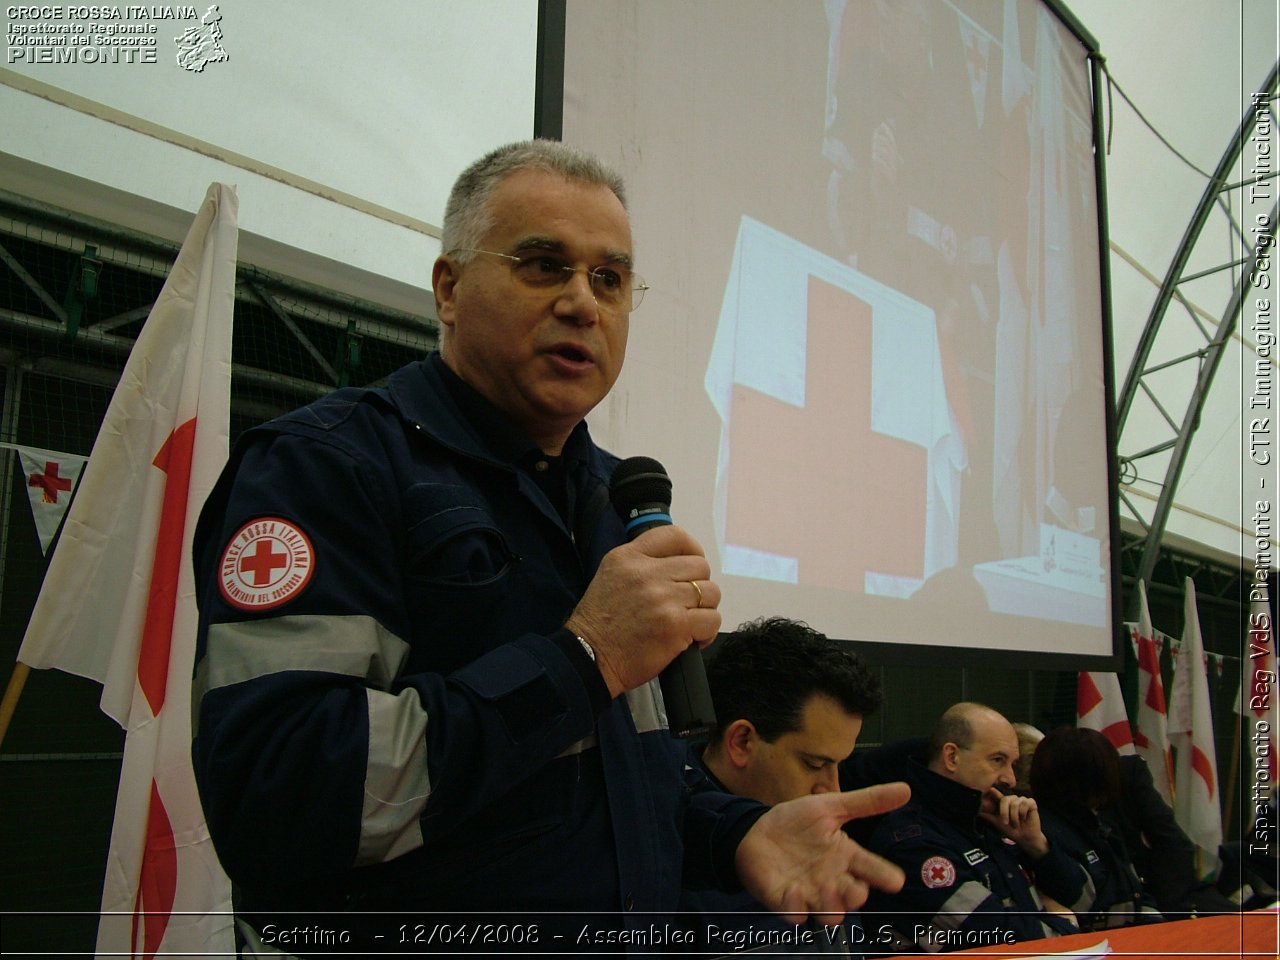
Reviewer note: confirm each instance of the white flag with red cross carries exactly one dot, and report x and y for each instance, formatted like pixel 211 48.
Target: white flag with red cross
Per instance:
pixel 1197 802
pixel 118 602
pixel 1151 732
pixel 1100 706
pixel 50 478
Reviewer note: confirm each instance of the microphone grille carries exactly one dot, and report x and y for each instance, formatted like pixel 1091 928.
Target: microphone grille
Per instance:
pixel 636 481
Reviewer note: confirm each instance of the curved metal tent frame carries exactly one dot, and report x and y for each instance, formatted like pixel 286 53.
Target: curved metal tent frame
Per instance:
pixel 1193 372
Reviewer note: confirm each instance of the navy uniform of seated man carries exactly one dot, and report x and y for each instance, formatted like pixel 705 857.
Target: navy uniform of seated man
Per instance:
pixel 426 652
pixel 789 703
pixel 979 869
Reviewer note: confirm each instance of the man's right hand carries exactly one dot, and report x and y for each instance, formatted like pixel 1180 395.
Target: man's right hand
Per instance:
pixel 1017 818
pixel 640 611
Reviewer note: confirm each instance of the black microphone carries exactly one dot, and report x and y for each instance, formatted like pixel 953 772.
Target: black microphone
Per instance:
pixel 641 494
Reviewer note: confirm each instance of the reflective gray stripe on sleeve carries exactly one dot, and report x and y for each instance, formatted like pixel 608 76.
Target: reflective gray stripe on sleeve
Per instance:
pixel 647 708
pixel 1087 895
pixel 647 712
pixel 355 646
pixel 396 783
pixel 952 914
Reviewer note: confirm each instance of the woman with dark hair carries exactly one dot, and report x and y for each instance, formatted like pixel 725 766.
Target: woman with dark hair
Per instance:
pixel 1075 778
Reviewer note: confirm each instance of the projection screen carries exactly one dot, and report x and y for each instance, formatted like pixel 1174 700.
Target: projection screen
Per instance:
pixel 874 358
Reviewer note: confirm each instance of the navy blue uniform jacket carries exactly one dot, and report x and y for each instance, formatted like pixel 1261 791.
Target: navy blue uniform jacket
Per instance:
pixel 962 877
pixel 389 714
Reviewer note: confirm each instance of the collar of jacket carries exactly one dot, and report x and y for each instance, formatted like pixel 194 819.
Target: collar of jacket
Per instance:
pixel 422 397
pixel 942 796
pixel 421 394
pixel 697 759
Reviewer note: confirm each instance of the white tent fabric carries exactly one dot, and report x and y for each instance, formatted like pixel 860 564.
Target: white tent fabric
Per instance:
pixel 1190 67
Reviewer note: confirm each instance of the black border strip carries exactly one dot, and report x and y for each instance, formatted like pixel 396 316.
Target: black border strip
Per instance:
pixel 548 86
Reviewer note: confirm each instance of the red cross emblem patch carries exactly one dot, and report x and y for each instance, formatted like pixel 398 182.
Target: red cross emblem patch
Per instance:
pixel 938 872
pixel 268 562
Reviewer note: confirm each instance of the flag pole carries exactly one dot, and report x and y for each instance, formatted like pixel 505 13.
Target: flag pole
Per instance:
pixel 18 679
pixel 12 693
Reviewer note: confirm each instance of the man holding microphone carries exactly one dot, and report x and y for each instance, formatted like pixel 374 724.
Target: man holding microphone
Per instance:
pixel 427 660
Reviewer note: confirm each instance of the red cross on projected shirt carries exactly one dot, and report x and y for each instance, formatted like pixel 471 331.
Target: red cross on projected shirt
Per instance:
pixel 49 481
pixel 938 872
pixel 263 563
pixel 816 482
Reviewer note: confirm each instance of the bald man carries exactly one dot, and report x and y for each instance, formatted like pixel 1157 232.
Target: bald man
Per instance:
pixel 980 870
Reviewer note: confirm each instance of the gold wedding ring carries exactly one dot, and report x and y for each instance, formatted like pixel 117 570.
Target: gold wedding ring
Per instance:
pixel 694 584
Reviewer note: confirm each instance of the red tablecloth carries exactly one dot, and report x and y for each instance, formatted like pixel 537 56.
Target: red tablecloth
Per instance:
pixel 1255 934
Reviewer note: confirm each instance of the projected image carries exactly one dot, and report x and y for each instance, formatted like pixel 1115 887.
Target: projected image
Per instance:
pixel 927 357
pixel 872 357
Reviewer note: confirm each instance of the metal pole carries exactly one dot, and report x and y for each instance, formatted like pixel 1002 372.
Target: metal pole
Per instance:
pixel 9 432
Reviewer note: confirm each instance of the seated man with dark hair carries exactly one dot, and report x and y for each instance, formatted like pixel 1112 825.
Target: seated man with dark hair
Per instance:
pixel 969 848
pixel 789 705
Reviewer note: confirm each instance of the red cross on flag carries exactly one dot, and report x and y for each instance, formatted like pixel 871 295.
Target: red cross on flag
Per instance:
pixel 118 602
pixel 1197 805
pixel 50 478
pixel 1100 706
pixel 1151 732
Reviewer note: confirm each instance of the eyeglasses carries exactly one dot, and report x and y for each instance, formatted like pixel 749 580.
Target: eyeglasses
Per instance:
pixel 615 287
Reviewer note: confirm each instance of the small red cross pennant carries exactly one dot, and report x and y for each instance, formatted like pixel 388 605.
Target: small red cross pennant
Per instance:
pixel 50 478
